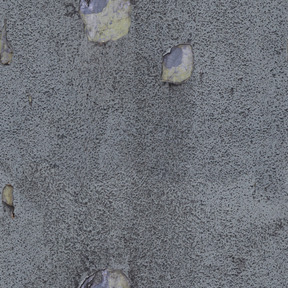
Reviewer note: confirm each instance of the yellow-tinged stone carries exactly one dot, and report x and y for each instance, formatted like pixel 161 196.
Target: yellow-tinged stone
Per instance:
pixel 177 64
pixel 30 100
pixel 6 52
pixel 105 20
pixel 7 195
pixel 117 279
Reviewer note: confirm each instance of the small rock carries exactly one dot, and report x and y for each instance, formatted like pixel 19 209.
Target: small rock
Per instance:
pixel 177 64
pixel 30 100
pixel 105 20
pixel 106 279
pixel 6 52
pixel 7 198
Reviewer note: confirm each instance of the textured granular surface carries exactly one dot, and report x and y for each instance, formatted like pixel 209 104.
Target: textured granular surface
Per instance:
pixel 178 186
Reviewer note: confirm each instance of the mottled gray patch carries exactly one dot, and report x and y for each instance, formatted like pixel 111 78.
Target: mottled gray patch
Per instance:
pixel 92 6
pixel 174 58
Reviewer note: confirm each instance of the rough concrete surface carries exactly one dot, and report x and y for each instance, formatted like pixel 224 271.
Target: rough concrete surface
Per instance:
pixel 178 186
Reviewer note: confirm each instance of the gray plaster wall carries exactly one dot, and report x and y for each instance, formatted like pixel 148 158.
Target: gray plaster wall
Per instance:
pixel 179 186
